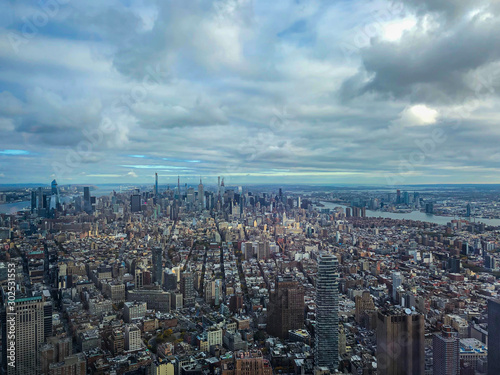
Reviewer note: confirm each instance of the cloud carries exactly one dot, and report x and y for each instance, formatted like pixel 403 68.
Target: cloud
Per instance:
pixel 418 115
pixel 434 60
pixel 252 89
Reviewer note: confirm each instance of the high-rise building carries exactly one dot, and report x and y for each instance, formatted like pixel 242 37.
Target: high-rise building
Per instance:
pixel 157 261
pixel 489 261
pixel 286 307
pixel 400 342
pixel 33 201
pixel 446 352
pixel 187 288
pixel 397 281
pixel 28 318
pixel 222 189
pixel 87 205
pixel 454 265
pixel 365 307
pixel 493 336
pixel 55 192
pixel 40 199
pixel 201 196
pixel 86 193
pixel 169 280
pixel 326 352
pixel 135 203
pixel 190 196
pixel 156 185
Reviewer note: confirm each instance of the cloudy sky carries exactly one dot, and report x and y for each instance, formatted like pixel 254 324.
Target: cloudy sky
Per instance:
pixel 388 92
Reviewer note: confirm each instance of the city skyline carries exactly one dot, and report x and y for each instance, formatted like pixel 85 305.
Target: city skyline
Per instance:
pixel 316 92
pixel 254 280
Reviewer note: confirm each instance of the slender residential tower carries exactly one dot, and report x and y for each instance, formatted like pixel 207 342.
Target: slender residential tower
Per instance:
pixel 326 352
pixel 156 184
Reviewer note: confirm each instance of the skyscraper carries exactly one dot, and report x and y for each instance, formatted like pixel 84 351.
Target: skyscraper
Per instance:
pixel 169 280
pixel 326 352
pixel 286 307
pixel 87 205
pixel 201 196
pixel 55 201
pixel 493 336
pixel 187 288
pixel 489 261
pixel 406 197
pixel 28 317
pixel 33 201
pixel 446 352
pixel 400 342
pixel 40 199
pixel 135 203
pixel 157 260
pixel 86 194
pixel 397 281
pixel 222 189
pixel 156 184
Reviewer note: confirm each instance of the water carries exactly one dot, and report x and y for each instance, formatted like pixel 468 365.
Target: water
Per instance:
pixel 12 208
pixel 415 215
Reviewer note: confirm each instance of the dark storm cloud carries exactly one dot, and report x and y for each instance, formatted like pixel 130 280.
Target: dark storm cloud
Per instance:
pixel 435 62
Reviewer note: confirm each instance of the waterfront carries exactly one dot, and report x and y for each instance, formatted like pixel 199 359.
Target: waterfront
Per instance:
pixel 415 215
pixel 10 208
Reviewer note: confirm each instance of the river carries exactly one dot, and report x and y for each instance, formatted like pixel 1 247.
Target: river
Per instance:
pixel 12 208
pixel 415 215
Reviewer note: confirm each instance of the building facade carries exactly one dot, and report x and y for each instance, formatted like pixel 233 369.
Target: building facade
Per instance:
pixel 446 352
pixel 493 337
pixel 286 307
pixel 400 342
pixel 326 353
